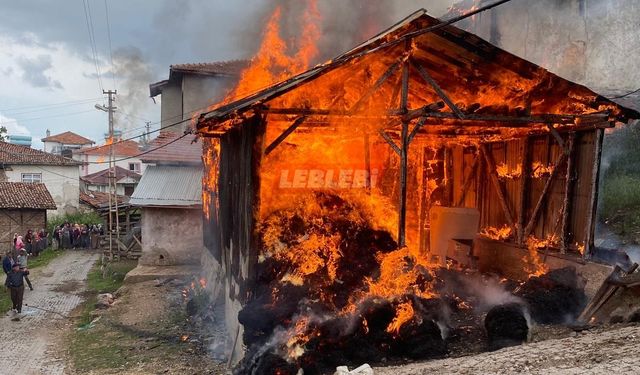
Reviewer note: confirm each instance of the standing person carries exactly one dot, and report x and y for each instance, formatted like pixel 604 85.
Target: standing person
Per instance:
pixel 28 241
pixel 44 237
pixel 56 237
pixel 7 262
pixel 84 236
pixel 37 243
pixel 76 236
pixel 15 283
pixel 95 237
pixel 19 244
pixel 66 236
pixel 22 263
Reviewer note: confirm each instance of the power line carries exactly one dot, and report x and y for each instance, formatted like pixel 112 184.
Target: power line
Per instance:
pixel 48 105
pixel 92 42
pixel 624 95
pixel 142 153
pixel 45 117
pixel 113 68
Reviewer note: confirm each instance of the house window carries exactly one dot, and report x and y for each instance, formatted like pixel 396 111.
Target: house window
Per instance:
pixel 32 177
pixel 135 167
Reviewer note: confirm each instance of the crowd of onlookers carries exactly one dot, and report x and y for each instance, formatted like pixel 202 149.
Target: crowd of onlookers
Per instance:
pixel 77 236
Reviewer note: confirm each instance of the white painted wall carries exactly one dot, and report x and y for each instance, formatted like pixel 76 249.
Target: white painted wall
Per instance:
pixel 90 168
pixel 56 147
pixel 63 183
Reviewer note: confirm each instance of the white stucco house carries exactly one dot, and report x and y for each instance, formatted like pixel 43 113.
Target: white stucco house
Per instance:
pixel 60 175
pixel 95 159
pixel 65 143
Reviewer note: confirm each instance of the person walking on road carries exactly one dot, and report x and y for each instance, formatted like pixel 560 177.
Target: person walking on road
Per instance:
pixel 22 262
pixel 15 283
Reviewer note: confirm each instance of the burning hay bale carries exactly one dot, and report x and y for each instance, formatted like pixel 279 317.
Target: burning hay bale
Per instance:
pixel 554 298
pixel 334 289
pixel 506 325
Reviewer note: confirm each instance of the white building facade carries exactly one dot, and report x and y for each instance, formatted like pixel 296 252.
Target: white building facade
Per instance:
pixel 60 175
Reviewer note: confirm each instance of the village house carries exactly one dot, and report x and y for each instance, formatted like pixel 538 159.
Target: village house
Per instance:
pixel 95 159
pixel 23 206
pixel 65 143
pixel 191 88
pixel 170 197
pixel 60 175
pixel 125 180
pixel 170 191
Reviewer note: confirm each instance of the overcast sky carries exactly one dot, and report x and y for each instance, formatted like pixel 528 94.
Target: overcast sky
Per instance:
pixel 47 72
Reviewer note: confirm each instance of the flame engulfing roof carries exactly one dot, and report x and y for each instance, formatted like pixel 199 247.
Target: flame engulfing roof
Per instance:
pixel 25 195
pixel 481 80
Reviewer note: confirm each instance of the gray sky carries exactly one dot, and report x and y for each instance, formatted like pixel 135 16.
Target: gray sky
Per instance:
pixel 49 78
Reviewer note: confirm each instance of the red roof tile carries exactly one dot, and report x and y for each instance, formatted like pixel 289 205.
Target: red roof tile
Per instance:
pixel 231 67
pixel 183 150
pixel 121 148
pixel 23 155
pixel 102 177
pixel 68 138
pixel 25 195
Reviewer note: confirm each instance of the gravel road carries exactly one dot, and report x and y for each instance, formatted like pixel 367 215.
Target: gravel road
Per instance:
pixel 612 351
pixel 27 345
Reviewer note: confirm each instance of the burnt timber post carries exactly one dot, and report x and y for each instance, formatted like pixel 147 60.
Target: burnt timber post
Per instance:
pixel 595 176
pixel 568 193
pixel 404 149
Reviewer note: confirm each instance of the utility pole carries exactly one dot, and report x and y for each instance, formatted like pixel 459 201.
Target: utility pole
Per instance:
pixel 113 198
pixel 147 128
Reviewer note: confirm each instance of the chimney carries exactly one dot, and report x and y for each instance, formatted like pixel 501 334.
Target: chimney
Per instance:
pixel 48 133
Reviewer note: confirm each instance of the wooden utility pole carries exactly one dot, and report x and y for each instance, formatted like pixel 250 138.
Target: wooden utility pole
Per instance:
pixel 113 198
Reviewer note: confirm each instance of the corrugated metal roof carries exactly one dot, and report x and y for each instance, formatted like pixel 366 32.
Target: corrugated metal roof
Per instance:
pixel 169 186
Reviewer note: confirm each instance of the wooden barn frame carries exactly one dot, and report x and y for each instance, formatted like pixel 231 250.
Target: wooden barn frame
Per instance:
pixel 430 76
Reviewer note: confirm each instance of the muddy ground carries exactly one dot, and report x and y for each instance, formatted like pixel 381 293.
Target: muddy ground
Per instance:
pixel 146 331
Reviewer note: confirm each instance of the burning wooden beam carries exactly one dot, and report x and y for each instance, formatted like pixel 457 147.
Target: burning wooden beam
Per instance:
pixel 284 135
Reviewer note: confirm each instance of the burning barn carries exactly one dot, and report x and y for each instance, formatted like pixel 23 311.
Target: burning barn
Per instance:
pixel 335 198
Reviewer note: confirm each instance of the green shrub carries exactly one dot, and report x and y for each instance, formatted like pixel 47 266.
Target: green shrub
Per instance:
pixel 620 193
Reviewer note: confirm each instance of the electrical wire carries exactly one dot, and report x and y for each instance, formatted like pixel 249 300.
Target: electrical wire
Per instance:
pixel 87 16
pixel 113 68
pixel 71 102
pixel 45 117
pixel 624 95
pixel 142 153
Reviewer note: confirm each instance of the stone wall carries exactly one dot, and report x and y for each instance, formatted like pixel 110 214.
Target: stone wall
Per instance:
pixel 591 42
pixel 171 236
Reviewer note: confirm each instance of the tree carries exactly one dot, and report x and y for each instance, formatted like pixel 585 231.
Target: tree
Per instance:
pixel 3 131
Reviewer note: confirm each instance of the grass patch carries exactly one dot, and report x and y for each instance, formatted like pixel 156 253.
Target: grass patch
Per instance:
pixel 620 193
pixel 42 260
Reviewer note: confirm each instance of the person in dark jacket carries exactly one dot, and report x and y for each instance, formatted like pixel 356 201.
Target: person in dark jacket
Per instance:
pixel 28 241
pixel 7 262
pixel 15 283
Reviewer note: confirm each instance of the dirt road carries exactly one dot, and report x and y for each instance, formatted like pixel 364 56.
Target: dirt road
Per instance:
pixel 27 345
pixel 612 351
